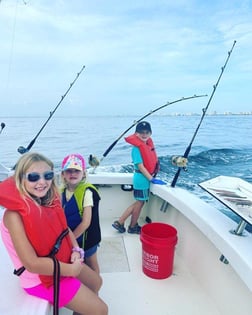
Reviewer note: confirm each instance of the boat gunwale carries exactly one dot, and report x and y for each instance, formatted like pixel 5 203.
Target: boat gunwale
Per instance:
pixel 215 225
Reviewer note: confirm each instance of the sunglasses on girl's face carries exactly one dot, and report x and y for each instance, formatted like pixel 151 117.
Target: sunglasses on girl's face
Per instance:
pixel 34 177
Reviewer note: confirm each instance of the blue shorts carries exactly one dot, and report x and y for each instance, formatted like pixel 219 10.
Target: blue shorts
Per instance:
pixel 91 251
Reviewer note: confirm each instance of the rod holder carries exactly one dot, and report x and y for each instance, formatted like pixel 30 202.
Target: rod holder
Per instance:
pixel 164 206
pixel 240 229
pixel 224 260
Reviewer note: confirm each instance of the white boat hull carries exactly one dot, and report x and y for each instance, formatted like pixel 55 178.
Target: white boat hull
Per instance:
pixel 200 283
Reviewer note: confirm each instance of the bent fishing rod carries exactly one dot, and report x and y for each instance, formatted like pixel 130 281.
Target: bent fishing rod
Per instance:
pixel 23 150
pixel 93 161
pixel 204 110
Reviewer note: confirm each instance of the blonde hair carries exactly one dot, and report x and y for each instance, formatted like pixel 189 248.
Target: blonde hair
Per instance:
pixel 23 164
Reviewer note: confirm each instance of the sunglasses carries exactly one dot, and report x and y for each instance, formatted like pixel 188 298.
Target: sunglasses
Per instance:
pixel 34 177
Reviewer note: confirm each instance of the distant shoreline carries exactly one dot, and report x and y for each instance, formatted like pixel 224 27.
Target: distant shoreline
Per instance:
pixel 176 114
pixel 210 114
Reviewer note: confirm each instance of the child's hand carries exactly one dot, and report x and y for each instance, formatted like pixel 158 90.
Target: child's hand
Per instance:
pixel 77 253
pixel 75 256
pixel 76 267
pixel 157 181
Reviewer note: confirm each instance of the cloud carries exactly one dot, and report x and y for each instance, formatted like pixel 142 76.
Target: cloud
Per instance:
pixel 137 54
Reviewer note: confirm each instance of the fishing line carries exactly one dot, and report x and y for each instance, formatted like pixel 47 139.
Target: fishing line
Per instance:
pixel 204 110
pixel 94 162
pixel 23 150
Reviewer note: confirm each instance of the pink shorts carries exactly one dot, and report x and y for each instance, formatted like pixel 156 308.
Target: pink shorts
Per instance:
pixel 68 289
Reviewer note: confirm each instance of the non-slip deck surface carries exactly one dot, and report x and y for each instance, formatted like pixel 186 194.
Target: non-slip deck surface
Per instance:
pixel 131 292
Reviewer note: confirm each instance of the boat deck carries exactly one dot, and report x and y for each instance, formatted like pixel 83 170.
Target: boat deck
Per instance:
pixel 200 283
pixel 127 290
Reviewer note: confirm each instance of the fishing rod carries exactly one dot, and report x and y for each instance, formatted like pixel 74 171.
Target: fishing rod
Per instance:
pixel 2 127
pixel 21 149
pixel 94 162
pixel 204 110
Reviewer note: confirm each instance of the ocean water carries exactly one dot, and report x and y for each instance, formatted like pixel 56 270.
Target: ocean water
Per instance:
pixel 222 146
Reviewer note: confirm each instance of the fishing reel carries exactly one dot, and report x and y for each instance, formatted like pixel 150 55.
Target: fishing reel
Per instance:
pixel 93 161
pixel 22 150
pixel 2 127
pixel 179 161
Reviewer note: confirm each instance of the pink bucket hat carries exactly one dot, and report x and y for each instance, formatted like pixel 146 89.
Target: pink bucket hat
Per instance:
pixel 75 161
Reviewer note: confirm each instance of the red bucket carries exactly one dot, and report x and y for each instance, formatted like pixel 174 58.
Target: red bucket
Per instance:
pixel 158 245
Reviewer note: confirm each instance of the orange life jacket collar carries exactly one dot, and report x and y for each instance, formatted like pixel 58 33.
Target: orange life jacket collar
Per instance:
pixel 147 150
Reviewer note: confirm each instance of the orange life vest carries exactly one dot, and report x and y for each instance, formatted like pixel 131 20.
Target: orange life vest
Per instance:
pixel 43 224
pixel 147 150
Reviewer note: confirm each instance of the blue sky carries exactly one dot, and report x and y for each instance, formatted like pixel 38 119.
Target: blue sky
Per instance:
pixel 137 55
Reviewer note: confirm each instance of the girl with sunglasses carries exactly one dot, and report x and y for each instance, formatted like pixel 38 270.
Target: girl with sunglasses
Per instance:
pixel 35 233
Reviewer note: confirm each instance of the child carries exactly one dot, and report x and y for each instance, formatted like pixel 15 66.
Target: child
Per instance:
pixel 81 205
pixel 34 230
pixel 146 167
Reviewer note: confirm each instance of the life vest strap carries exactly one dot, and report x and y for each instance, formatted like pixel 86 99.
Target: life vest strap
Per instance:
pixel 56 287
pixel 19 271
pixel 58 242
pixel 53 252
pixel 56 270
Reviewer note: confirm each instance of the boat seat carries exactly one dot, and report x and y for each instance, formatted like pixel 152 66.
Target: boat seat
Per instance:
pixel 13 298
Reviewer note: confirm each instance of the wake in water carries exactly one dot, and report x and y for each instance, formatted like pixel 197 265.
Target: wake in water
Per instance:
pixel 211 163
